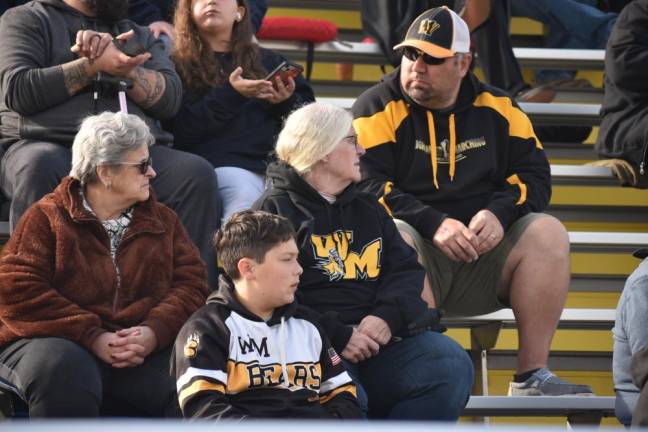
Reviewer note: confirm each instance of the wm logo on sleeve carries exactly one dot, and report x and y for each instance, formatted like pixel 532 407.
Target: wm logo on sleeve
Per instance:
pixel 334 258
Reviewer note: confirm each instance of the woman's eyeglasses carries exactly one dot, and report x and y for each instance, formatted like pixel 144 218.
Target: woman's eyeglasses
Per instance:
pixel 352 139
pixel 143 166
pixel 413 54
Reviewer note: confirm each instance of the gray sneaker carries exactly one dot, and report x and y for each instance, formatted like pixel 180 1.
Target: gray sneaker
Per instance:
pixel 543 382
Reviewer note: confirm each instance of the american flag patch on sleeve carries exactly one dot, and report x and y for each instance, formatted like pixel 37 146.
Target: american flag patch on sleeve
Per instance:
pixel 335 358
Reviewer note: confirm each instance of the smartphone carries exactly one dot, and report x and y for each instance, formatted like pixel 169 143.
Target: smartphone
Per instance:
pixel 284 70
pixel 129 47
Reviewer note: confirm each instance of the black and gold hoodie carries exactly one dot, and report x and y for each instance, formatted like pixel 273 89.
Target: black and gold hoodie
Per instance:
pixel 355 262
pixel 231 364
pixel 425 165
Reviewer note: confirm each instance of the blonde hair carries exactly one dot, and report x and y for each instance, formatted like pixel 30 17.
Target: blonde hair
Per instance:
pixel 311 133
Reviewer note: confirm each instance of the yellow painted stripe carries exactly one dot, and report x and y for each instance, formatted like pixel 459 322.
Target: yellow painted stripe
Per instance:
pixel 605 264
pixel 380 128
pixel 599 196
pixel 515 180
pixel 349 388
pixel 592 300
pixel 196 387
pixel 526 26
pixel 519 124
pixel 381 200
pixel 564 340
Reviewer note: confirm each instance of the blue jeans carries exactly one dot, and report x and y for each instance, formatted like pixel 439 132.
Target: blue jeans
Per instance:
pixel 575 24
pixel 424 377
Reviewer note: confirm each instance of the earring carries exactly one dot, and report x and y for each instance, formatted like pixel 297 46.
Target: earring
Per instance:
pixel 238 16
pixel 109 185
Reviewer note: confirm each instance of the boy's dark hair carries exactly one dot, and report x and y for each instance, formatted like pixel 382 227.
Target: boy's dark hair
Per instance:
pixel 249 234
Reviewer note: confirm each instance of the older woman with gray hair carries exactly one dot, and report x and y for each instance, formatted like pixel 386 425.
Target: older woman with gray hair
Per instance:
pixel 360 276
pixel 95 283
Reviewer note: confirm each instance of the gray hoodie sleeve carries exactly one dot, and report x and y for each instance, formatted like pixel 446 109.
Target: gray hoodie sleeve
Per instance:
pixel 35 45
pixel 27 82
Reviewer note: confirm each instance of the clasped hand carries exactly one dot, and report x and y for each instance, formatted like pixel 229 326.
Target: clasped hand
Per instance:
pixel 104 56
pixel 125 348
pixel 466 243
pixel 366 339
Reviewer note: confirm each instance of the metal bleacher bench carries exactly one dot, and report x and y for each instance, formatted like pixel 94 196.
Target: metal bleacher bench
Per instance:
pixel 363 53
pixel 579 410
pixel 484 331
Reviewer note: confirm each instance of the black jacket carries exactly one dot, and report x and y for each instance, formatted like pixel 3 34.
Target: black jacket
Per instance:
pixel 228 129
pixel 426 165
pixel 355 262
pixel 230 364
pixel 624 127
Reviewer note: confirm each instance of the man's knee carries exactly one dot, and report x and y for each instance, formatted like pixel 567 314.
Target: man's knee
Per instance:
pixel 546 236
pixel 37 166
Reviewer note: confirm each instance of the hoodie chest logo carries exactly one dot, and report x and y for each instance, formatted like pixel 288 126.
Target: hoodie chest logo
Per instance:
pixel 334 258
pixel 443 149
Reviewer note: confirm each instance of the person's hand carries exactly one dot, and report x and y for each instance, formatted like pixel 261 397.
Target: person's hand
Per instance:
pixel 488 229
pixel 101 347
pixel 162 27
pixel 456 241
pixel 91 44
pixel 360 347
pixel 140 335
pixel 280 91
pixel 376 328
pixel 115 62
pixel 260 89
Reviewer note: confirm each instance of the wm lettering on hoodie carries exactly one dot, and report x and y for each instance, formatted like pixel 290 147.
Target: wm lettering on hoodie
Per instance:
pixel 443 148
pixel 251 345
pixel 335 259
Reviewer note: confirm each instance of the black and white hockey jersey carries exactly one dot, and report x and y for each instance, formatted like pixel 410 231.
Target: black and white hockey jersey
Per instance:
pixel 229 363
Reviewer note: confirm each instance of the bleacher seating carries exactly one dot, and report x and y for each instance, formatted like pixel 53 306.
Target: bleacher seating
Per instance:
pixel 587 199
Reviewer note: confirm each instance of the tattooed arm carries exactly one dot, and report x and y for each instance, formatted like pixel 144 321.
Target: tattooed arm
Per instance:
pixel 148 86
pixel 77 74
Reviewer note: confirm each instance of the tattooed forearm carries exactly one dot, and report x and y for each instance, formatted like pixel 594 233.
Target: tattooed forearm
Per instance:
pixel 148 87
pixel 75 75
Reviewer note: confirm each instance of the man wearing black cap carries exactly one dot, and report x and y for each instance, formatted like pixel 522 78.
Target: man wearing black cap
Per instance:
pixel 457 163
pixel 630 360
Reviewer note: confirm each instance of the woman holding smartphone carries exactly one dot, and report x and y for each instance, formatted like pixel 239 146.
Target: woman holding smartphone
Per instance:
pixel 231 111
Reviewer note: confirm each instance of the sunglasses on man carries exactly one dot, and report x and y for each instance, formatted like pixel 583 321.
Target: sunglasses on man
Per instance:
pixel 413 54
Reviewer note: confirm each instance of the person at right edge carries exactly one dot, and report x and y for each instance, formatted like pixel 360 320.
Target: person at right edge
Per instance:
pixel 458 165
pixel 623 138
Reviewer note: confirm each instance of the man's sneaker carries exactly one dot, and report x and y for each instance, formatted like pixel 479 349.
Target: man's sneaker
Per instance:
pixel 545 383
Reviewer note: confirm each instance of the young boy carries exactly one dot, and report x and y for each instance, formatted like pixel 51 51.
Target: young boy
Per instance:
pixel 251 351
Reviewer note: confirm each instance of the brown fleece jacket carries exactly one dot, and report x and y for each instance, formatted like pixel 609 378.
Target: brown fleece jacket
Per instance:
pixel 57 277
